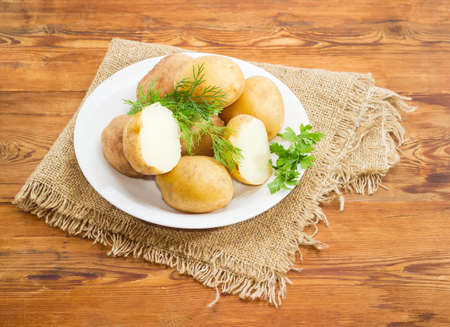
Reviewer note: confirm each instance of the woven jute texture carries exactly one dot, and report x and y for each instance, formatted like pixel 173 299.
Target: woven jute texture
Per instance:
pixel 250 259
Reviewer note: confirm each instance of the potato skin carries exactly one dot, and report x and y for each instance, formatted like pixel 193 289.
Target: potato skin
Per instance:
pixel 132 146
pixel 219 71
pixel 197 184
pixel 163 73
pixel 112 146
pixel 204 147
pixel 261 99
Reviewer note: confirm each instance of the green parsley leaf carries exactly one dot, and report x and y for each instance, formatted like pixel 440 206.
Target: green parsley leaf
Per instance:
pixel 298 153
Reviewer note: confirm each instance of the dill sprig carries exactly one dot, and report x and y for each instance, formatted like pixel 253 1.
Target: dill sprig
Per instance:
pixel 144 99
pixel 190 107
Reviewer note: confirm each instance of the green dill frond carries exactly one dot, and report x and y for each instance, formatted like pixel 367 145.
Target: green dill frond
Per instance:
pixel 143 99
pixel 225 152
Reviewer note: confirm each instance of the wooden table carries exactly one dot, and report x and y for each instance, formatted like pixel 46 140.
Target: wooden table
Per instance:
pixel 389 258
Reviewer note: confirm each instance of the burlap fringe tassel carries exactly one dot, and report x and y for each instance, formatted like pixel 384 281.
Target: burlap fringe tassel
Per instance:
pixel 266 283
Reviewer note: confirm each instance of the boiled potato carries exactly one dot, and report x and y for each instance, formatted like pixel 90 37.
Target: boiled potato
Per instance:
pixel 219 71
pixel 197 184
pixel 261 99
pixel 163 74
pixel 113 147
pixel 151 140
pixel 204 146
pixel 249 134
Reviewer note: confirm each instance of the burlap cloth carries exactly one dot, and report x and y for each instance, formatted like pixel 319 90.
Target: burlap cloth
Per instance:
pixel 250 259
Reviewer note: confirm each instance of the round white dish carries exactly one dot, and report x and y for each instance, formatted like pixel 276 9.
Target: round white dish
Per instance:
pixel 141 198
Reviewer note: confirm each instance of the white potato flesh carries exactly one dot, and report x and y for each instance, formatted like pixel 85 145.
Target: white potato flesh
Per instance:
pixel 160 138
pixel 252 140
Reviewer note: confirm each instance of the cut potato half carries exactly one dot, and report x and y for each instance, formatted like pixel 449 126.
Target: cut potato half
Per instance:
pixel 151 140
pixel 249 134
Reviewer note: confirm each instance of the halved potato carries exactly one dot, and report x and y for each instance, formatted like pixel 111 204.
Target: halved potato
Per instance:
pixel 249 134
pixel 261 99
pixel 219 71
pixel 204 146
pixel 197 184
pixel 163 74
pixel 112 146
pixel 151 140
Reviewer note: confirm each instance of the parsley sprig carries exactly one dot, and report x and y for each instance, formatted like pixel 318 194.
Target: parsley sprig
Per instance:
pixel 191 106
pixel 298 153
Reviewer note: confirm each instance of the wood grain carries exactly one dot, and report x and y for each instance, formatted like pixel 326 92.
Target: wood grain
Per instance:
pixel 388 263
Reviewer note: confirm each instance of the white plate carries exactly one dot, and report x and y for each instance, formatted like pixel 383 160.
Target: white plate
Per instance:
pixel 141 198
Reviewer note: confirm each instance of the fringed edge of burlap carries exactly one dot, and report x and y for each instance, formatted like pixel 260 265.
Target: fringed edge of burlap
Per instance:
pixel 377 103
pixel 246 280
pixel 268 284
pixel 393 139
pixel 365 104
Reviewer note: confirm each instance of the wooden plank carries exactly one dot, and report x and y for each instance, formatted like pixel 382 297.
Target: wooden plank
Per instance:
pixel 320 25
pixel 39 103
pixel 66 31
pixel 58 69
pixel 47 69
pixel 319 13
pixel 25 141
